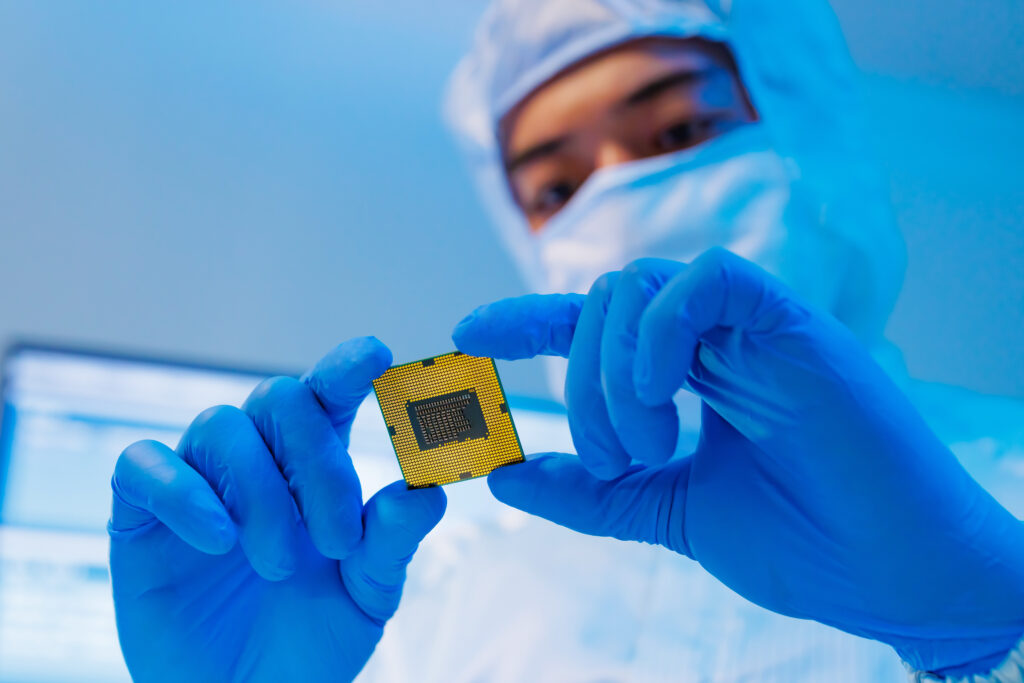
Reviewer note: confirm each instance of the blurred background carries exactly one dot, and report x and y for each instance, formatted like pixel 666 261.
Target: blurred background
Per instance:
pixel 249 183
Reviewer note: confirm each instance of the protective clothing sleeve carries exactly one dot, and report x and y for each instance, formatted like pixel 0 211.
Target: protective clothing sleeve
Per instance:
pixel 816 489
pixel 1010 671
pixel 247 553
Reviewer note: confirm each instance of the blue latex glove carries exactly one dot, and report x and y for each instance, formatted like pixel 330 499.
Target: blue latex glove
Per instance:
pixel 247 554
pixel 816 489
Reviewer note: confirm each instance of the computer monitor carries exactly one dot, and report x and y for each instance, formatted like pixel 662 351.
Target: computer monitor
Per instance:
pixel 67 415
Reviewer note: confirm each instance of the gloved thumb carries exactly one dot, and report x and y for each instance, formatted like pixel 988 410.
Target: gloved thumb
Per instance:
pixel 395 520
pixel 644 504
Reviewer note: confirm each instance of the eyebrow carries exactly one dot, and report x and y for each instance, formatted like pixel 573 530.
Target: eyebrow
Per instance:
pixel 538 151
pixel 657 87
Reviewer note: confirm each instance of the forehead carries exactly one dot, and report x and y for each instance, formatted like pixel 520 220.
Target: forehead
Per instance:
pixel 598 84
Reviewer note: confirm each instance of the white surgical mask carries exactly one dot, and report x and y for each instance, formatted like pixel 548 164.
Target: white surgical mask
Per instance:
pixel 732 191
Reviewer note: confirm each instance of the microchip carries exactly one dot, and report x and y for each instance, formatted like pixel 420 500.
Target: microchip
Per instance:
pixel 448 419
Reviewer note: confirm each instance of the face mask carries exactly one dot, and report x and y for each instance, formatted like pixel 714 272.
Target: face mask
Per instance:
pixel 732 191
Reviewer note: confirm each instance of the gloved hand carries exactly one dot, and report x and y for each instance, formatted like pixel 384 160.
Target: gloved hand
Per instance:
pixel 247 554
pixel 815 491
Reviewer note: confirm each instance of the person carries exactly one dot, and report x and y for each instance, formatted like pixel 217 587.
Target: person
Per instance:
pixel 801 477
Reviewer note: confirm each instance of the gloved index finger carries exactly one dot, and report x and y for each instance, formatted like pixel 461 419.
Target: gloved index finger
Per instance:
pixel 151 483
pixel 648 433
pixel 596 442
pixel 318 469
pixel 719 289
pixel 223 445
pixel 521 327
pixel 342 379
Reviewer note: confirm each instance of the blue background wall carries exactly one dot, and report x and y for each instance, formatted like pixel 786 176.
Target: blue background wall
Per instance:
pixel 252 182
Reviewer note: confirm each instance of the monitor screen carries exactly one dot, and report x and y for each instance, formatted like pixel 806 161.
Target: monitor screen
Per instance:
pixel 67 415
pixel 66 418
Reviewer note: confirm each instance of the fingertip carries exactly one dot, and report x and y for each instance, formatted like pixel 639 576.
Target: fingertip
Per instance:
pixel 397 518
pixel 599 452
pixel 506 472
pixel 419 509
pixel 274 559
pixel 646 395
pixel 216 542
pixel 342 379
pixel 208 528
pixel 151 483
pixel 377 352
pixel 367 352
pixel 518 484
pixel 466 333
pixel 225 538
pixel 223 533
pixel 469 320
pixel 520 327
pixel 650 392
pixel 343 538
pixel 506 483
pixel 273 573
pixel 351 364
pixel 642 377
pixel 434 502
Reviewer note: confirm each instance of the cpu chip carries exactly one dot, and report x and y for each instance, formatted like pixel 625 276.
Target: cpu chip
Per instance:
pixel 448 419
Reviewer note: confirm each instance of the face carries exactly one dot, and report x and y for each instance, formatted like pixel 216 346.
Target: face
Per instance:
pixel 638 100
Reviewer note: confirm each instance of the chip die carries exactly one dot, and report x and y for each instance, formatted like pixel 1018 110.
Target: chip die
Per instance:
pixel 448 419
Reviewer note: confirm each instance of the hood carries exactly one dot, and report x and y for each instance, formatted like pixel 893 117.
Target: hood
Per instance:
pixel 794 63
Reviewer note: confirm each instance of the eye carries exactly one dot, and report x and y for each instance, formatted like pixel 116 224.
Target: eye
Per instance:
pixel 682 135
pixel 552 197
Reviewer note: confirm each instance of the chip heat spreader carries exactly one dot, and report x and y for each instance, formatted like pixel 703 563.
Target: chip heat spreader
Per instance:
pixel 448 419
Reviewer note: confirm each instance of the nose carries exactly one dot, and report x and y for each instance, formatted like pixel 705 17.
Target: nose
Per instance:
pixel 612 152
